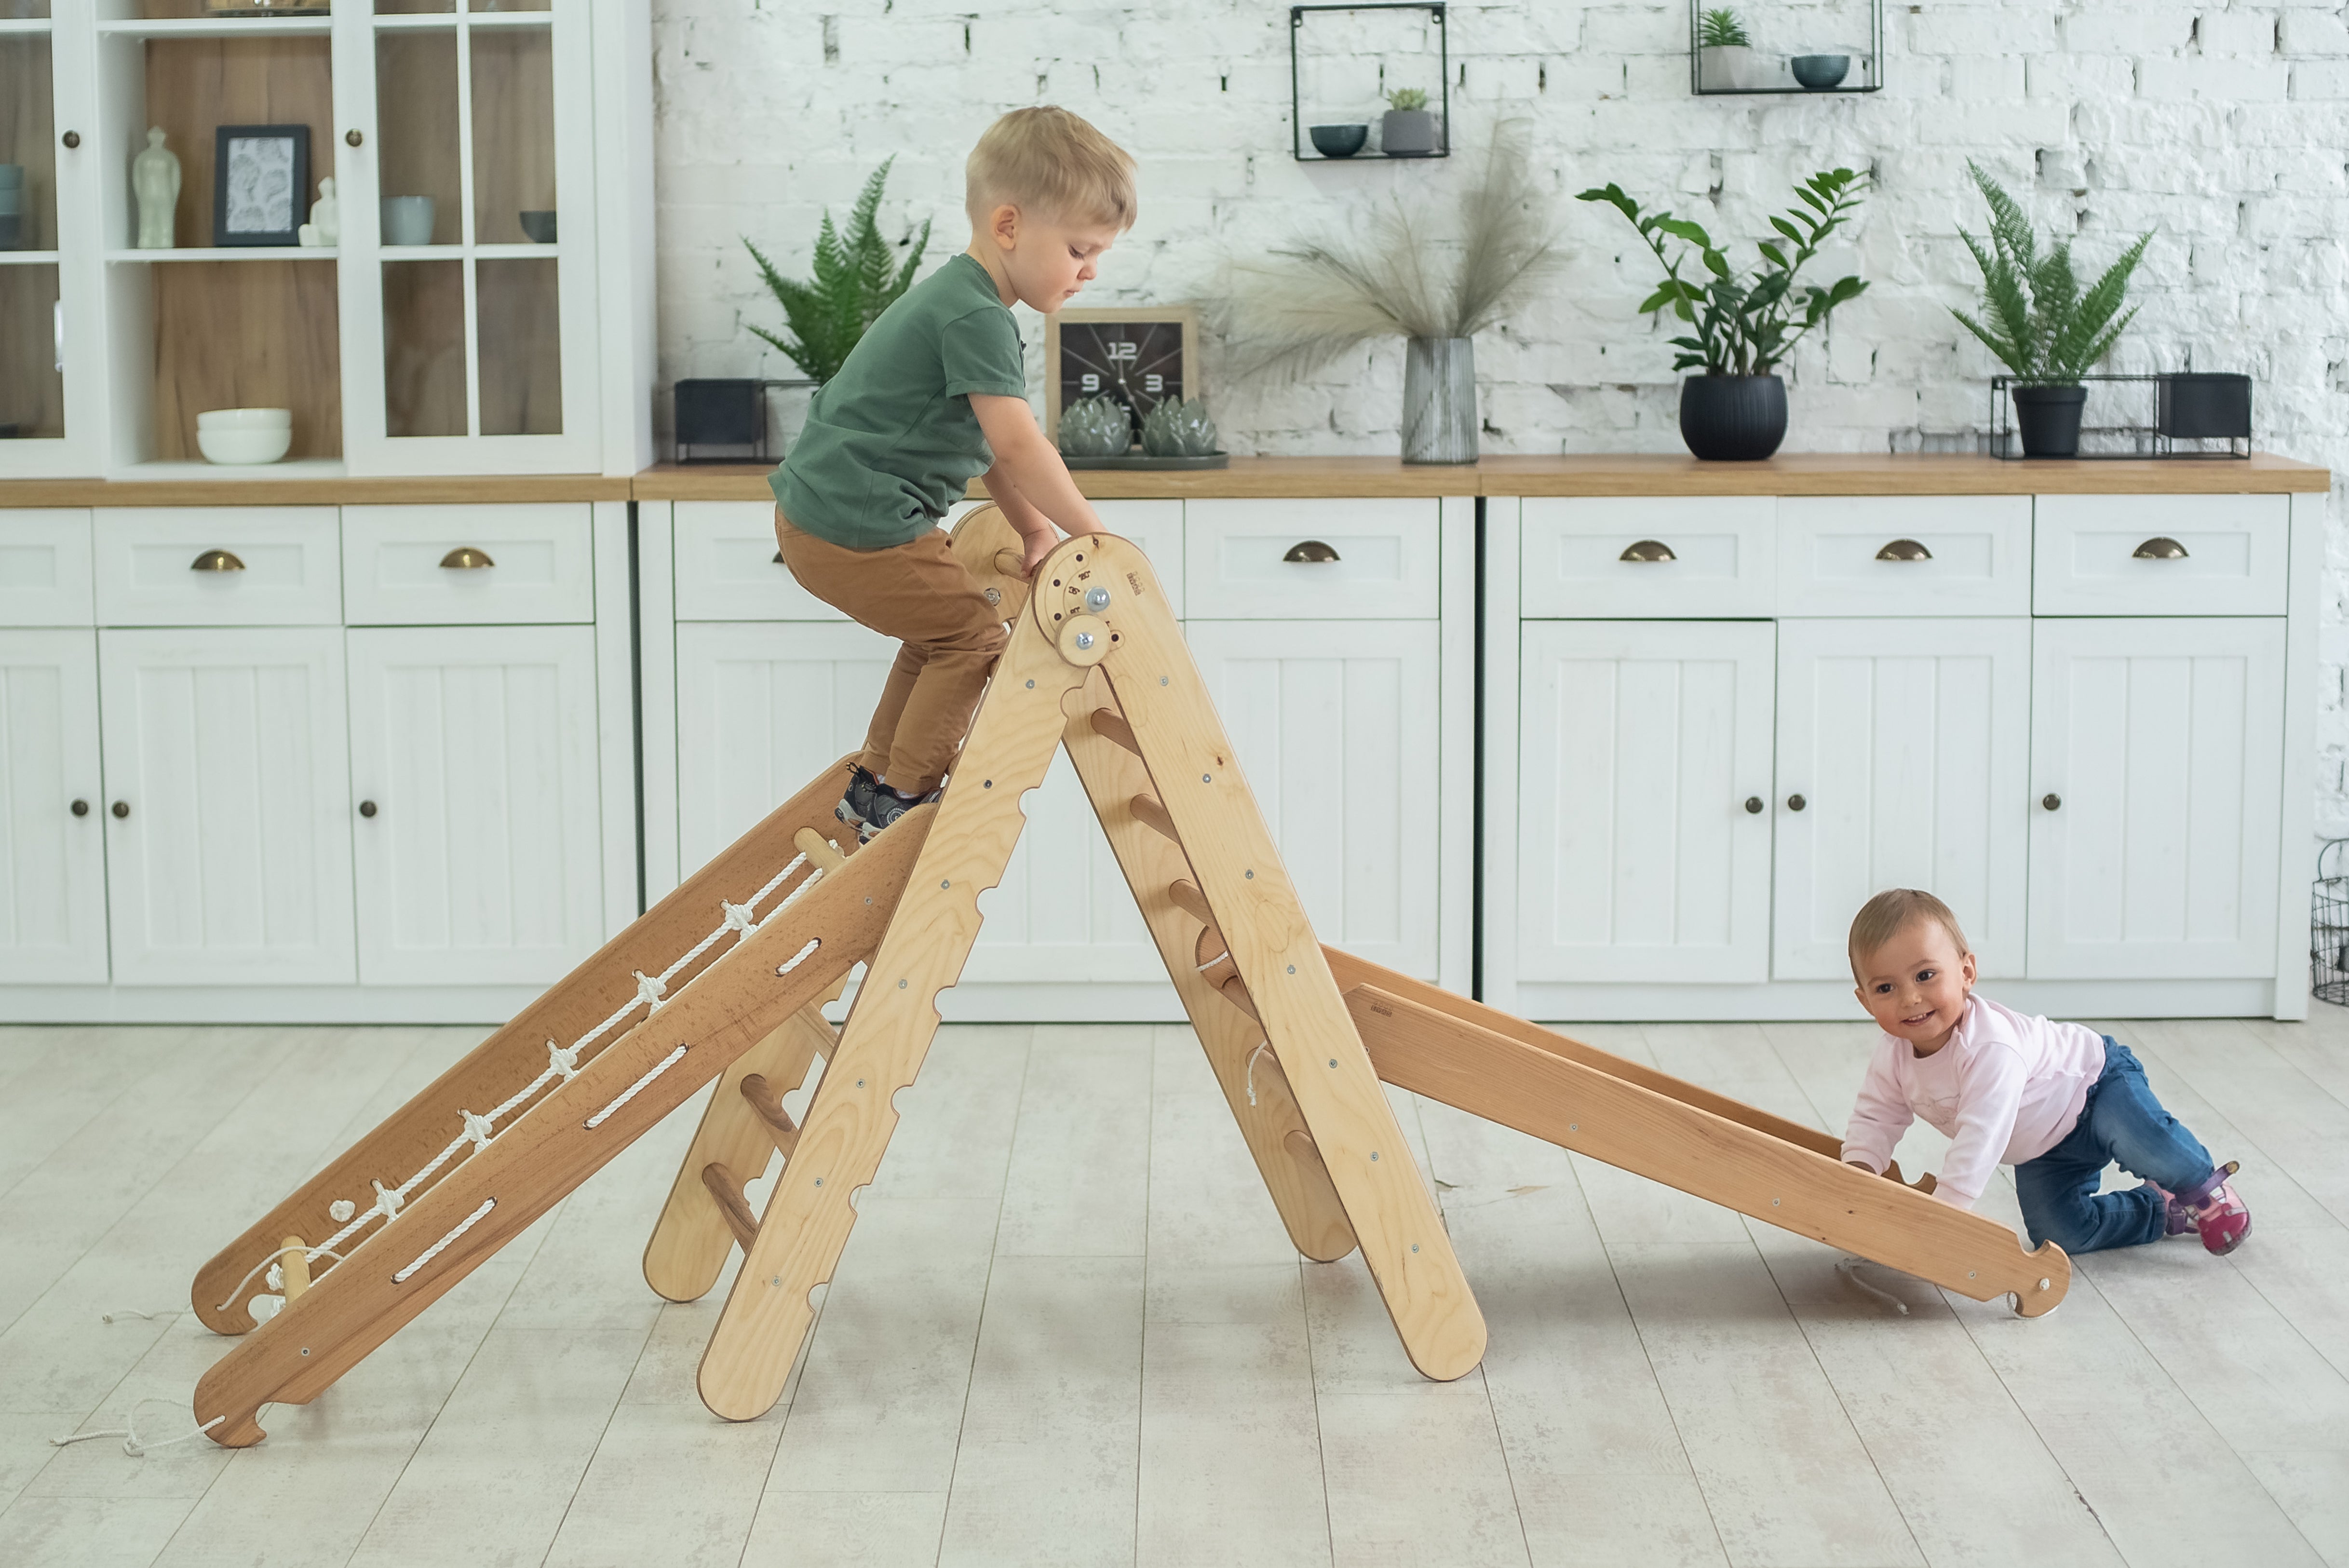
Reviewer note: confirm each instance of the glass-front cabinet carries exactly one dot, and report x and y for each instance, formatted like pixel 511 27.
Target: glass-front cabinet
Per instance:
pixel 170 245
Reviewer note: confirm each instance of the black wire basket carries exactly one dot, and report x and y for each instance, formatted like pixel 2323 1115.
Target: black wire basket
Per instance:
pixel 2328 926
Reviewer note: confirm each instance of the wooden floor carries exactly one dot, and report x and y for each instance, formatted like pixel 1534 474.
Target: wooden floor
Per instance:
pixel 1067 1330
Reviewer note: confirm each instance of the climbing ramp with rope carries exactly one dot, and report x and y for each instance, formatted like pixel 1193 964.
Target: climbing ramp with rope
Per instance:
pixel 704 987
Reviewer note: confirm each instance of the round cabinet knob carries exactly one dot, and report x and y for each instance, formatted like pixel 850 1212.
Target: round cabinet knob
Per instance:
pixel 81 808
pixel 353 137
pixel 71 139
pixel 121 808
pixel 1795 802
pixel 1752 806
pixel 2052 801
pixel 367 808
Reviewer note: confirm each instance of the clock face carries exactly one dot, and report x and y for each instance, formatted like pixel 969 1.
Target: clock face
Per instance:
pixel 1137 363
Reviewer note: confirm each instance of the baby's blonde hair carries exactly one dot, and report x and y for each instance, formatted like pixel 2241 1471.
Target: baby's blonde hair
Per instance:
pixel 1052 163
pixel 1892 911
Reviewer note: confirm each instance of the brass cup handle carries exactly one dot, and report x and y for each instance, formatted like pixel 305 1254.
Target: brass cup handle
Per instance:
pixel 2161 547
pixel 367 808
pixel 1647 551
pixel 216 560
pixel 1312 552
pixel 466 558
pixel 1795 802
pixel 1752 806
pixel 2052 801
pixel 122 809
pixel 80 808
pixel 1904 550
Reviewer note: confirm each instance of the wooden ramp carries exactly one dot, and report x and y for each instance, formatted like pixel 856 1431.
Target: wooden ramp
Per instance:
pixel 705 987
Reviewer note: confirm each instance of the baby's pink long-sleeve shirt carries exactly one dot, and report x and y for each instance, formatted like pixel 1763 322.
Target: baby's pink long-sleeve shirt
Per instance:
pixel 2007 1087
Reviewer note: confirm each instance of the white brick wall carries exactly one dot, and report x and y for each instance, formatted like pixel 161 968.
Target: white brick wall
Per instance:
pixel 2222 127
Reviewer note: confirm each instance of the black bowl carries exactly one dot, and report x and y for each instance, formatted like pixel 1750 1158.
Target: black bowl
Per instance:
pixel 1819 72
pixel 1339 140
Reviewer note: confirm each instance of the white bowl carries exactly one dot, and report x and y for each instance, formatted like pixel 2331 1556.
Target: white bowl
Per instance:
pixel 246 420
pixel 245 446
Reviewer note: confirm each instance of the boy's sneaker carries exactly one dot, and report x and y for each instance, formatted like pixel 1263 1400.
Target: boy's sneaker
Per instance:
pixel 856 808
pixel 2177 1219
pixel 2220 1216
pixel 888 806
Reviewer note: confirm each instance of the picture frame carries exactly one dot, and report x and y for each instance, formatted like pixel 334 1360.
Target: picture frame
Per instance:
pixel 260 184
pixel 1164 343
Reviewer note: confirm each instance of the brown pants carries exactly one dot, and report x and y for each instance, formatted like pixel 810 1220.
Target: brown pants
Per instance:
pixel 919 594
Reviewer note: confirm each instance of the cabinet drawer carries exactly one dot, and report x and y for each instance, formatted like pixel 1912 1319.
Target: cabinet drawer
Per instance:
pixel 44 567
pixel 457 565
pixel 1581 560
pixel 287 566
pixel 1239 559
pixel 1904 555
pixel 2088 556
pixel 727 568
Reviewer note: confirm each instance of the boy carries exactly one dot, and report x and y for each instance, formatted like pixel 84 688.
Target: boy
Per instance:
pixel 935 393
pixel 2057 1101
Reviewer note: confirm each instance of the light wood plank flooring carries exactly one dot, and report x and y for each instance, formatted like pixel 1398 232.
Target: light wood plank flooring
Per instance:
pixel 1069 1330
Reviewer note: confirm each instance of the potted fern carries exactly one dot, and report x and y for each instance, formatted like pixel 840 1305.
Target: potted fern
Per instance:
pixel 2042 325
pixel 1742 325
pixel 1724 55
pixel 1407 130
pixel 856 278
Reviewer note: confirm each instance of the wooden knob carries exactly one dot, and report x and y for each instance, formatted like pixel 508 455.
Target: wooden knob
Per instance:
pixel 81 808
pixel 367 808
pixel 121 808
pixel 353 137
pixel 1795 802
pixel 71 139
pixel 2052 801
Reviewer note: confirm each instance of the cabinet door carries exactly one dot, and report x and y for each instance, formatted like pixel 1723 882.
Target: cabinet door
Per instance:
pixel 48 287
pixel 2161 744
pixel 1336 723
pixel 1642 744
pixel 468 260
pixel 228 791
pixel 52 851
pixel 474 762
pixel 1909 744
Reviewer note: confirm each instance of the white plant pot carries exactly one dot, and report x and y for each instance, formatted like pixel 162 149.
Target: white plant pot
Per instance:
pixel 1722 65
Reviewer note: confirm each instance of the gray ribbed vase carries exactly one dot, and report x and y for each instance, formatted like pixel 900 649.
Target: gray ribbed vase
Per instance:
pixel 1439 399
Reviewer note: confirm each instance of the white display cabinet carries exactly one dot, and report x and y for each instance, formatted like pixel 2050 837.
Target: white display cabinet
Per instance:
pixel 510 333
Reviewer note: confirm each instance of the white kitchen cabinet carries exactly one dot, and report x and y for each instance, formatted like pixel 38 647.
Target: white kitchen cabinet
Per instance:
pixel 228 791
pixel 52 832
pixel 1643 794
pixel 1908 744
pixel 473 763
pixel 2157 757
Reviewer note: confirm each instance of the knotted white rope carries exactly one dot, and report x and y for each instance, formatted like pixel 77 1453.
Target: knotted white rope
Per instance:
pixel 1261 1047
pixel 797 958
pixel 562 1065
pixel 1849 1269
pixel 434 1251
pixel 129 1436
pixel 624 1095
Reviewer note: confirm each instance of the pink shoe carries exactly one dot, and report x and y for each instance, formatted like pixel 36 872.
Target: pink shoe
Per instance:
pixel 2177 1219
pixel 2221 1216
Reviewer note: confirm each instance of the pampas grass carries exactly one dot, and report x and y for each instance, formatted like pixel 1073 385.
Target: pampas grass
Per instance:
pixel 1294 309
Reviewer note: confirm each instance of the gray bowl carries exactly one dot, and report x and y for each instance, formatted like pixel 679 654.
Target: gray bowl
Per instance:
pixel 1339 140
pixel 1819 72
pixel 539 226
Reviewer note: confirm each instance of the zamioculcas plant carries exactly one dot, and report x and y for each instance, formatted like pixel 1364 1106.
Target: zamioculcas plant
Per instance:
pixel 2042 325
pixel 855 280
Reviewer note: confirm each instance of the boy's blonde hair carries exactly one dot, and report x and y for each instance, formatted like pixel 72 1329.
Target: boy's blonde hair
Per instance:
pixel 1892 911
pixel 1049 161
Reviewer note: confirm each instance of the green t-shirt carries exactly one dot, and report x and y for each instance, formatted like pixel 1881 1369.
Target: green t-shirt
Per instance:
pixel 891 442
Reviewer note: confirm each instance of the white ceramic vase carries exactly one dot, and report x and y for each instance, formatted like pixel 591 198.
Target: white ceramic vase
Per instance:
pixel 155 185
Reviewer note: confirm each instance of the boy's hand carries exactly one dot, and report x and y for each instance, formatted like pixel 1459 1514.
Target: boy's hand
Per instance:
pixel 1040 544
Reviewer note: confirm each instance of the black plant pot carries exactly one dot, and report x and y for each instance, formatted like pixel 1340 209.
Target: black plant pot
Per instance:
pixel 2049 420
pixel 1732 419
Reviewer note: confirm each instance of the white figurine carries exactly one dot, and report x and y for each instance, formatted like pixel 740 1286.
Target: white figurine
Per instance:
pixel 155 182
pixel 326 225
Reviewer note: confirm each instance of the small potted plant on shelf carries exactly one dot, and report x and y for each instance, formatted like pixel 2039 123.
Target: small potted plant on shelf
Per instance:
pixel 1407 130
pixel 1742 327
pixel 2042 325
pixel 1725 55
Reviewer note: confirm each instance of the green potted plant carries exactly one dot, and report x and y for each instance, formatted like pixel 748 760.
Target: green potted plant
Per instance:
pixel 1742 325
pixel 2042 325
pixel 1407 130
pixel 1725 56
pixel 855 280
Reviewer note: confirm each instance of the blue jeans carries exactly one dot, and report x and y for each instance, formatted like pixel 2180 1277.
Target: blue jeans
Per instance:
pixel 2121 1124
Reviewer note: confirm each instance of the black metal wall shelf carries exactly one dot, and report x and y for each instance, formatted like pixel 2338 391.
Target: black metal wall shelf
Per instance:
pixel 1866 73
pixel 1437 13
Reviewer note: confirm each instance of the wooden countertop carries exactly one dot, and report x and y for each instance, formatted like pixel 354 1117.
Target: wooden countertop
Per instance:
pixel 1790 473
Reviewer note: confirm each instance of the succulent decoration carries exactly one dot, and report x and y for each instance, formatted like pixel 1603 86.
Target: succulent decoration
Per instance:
pixel 1407 98
pixel 1722 30
pixel 1175 428
pixel 2042 325
pixel 857 279
pixel 1746 325
pixel 1095 427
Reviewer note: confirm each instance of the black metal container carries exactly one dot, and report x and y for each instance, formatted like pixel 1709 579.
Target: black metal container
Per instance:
pixel 2203 406
pixel 721 413
pixel 1732 419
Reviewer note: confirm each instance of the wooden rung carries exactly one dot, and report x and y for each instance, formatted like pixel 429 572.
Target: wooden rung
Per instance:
pixel 1186 897
pixel 1235 992
pixel 1150 814
pixel 1210 947
pixel 294 1266
pixel 769 1105
pixel 724 1187
pixel 818 849
pixel 1110 725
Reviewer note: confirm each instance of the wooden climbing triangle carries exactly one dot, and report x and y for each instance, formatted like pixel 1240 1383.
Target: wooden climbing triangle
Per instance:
pixel 702 988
